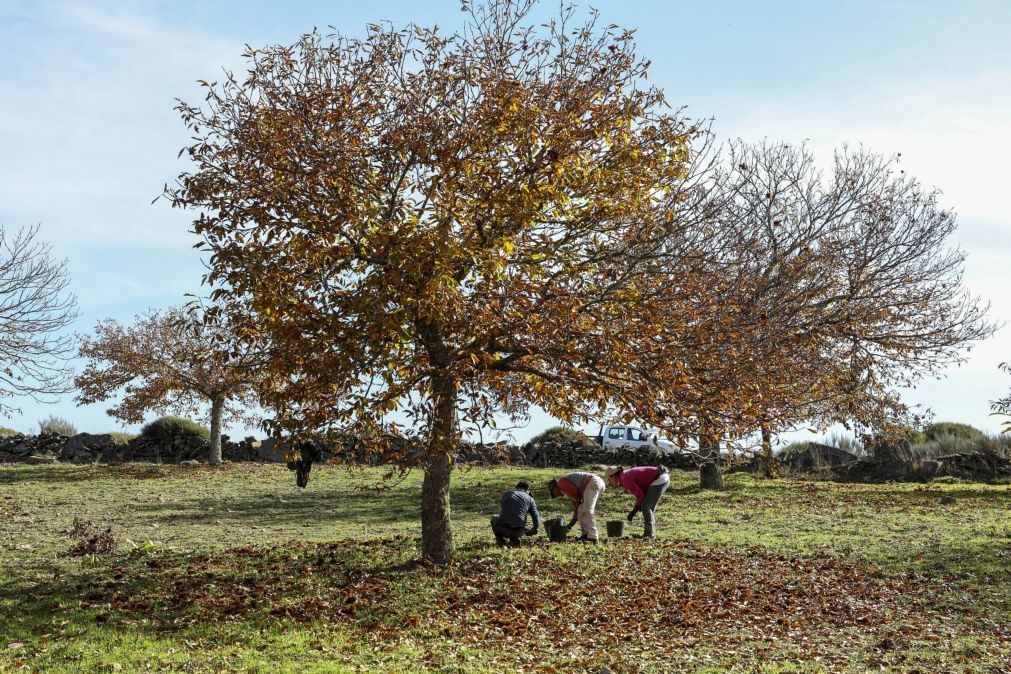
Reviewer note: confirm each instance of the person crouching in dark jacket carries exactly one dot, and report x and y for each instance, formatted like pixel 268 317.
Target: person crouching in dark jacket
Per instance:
pixel 510 524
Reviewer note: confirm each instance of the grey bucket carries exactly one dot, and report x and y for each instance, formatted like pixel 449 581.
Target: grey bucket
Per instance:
pixel 556 532
pixel 616 528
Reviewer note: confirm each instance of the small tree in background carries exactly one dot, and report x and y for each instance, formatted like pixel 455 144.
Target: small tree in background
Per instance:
pixel 174 361
pixel 35 306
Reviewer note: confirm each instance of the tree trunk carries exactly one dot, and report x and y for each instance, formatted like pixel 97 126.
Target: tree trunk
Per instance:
pixel 768 460
pixel 710 476
pixel 217 411
pixel 436 528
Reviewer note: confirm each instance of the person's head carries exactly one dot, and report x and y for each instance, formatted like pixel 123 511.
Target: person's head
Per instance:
pixel 613 475
pixel 553 489
pixel 523 486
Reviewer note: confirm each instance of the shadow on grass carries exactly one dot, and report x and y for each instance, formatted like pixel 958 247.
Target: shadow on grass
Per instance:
pixel 57 474
pixel 319 505
pixel 48 474
pixel 913 493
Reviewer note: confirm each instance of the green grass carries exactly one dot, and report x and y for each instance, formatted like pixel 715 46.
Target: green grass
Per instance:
pixel 237 570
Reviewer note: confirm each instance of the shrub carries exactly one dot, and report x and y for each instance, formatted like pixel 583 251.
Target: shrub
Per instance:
pixel 793 448
pixel 914 436
pixel 57 425
pixel 847 443
pixel 7 432
pixel 167 429
pixel 934 431
pixel 944 444
pixel 558 434
pixel 122 438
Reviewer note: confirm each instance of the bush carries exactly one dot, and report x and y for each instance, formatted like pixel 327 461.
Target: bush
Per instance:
pixel 562 434
pixel 946 443
pixel 793 448
pixel 7 432
pixel 57 425
pixel 122 438
pixel 167 429
pixel 914 436
pixel 965 431
pixel 847 443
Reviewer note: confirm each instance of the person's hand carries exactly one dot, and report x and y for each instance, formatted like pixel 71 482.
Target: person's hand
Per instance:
pixel 568 527
pixel 532 531
pixel 631 515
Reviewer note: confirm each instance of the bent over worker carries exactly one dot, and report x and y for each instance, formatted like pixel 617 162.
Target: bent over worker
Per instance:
pixel 647 484
pixel 583 489
pixel 510 524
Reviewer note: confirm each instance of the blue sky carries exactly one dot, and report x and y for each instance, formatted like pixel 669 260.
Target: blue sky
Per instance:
pixel 88 134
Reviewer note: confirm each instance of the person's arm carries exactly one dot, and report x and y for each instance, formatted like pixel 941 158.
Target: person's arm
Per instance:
pixel 535 516
pixel 575 511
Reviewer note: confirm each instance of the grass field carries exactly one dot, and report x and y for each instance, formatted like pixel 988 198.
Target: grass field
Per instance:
pixel 236 570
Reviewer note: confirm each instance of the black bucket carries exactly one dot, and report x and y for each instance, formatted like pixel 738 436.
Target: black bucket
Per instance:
pixel 555 530
pixel 616 528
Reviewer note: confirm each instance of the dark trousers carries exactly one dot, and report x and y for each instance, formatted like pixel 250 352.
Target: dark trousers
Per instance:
pixel 649 504
pixel 506 534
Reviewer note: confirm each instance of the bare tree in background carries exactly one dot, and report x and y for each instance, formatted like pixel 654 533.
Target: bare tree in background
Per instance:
pixel 846 284
pixel 35 306
pixel 1002 407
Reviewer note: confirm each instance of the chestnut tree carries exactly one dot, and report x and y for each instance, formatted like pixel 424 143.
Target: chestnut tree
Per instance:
pixel 177 361
pixel 450 227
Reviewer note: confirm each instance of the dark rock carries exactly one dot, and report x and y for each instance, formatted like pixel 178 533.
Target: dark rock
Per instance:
pixel 268 450
pixel 85 447
pixel 929 469
pixel 816 456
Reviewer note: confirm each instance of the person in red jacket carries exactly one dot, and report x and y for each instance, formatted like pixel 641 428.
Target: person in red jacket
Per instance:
pixel 583 489
pixel 647 484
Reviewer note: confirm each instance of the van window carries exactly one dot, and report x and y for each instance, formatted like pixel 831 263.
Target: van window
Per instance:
pixel 636 434
pixel 615 433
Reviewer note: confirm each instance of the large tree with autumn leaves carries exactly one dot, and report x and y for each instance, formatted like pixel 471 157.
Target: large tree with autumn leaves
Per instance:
pixel 451 227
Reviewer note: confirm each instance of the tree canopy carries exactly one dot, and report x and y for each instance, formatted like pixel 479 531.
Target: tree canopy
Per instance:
pixel 846 276
pixel 452 226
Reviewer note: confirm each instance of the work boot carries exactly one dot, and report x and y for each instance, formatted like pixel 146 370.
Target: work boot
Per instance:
pixel 648 531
